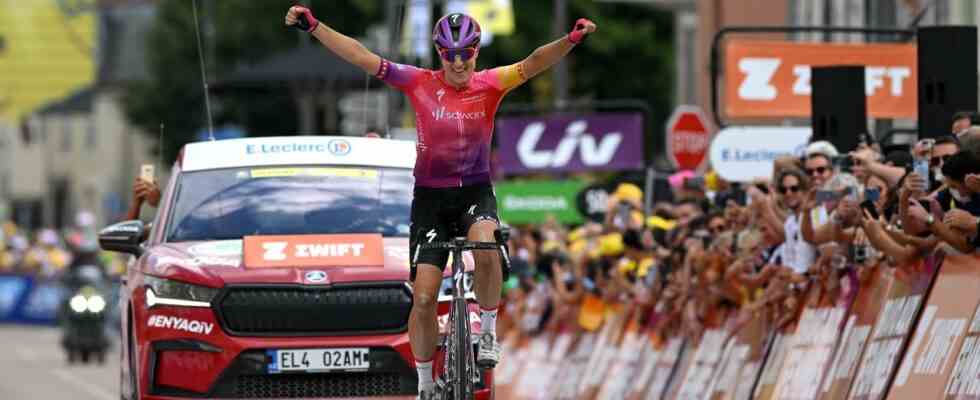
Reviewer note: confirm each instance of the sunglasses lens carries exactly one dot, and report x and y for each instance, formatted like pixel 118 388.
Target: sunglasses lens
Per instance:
pixel 464 54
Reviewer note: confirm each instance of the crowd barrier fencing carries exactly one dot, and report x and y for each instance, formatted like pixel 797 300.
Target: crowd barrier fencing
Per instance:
pixel 908 332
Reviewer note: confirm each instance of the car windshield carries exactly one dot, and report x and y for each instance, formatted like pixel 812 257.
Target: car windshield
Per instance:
pixel 237 202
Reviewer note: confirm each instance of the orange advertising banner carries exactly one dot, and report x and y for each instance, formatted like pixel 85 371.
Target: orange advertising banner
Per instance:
pixel 743 361
pixel 934 352
pixel 893 329
pixel 864 311
pixel 771 78
pixel 356 250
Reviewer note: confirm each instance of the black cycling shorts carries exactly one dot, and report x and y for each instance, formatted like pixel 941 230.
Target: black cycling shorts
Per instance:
pixel 440 214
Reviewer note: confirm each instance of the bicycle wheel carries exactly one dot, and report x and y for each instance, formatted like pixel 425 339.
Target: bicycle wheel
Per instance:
pixel 463 384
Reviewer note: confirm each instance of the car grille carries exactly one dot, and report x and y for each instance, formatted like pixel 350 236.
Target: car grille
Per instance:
pixel 315 311
pixel 321 385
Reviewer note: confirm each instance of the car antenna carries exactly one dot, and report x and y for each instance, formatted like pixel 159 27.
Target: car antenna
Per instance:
pixel 160 149
pixel 204 74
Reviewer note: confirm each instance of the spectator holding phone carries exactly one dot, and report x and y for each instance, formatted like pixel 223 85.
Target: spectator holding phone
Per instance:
pixel 959 204
pixel 145 190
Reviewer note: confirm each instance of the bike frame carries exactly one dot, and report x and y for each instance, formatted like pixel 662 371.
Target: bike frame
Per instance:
pixel 460 362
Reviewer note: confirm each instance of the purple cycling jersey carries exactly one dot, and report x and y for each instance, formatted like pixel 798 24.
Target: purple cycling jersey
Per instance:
pixel 454 125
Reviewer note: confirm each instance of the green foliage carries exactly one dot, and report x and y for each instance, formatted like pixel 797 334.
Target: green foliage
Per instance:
pixel 244 32
pixel 629 57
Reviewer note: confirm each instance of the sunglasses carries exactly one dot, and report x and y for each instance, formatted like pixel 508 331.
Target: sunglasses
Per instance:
pixel 464 54
pixel 717 229
pixel 936 161
pixel 794 189
pixel 817 170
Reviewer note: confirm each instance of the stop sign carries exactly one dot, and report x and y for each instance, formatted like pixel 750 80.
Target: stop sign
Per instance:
pixel 688 137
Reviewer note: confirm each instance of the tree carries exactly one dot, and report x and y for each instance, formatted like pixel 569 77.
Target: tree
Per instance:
pixel 629 57
pixel 244 32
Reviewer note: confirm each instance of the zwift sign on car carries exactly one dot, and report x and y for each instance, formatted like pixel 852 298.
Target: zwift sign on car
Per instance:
pixel 570 143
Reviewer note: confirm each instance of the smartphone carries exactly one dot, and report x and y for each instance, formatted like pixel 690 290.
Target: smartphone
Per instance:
pixel 146 173
pixel 869 206
pixel 872 194
pixel 824 196
pixel 762 187
pixel 921 167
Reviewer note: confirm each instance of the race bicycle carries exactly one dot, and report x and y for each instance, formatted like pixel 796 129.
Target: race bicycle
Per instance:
pixel 460 374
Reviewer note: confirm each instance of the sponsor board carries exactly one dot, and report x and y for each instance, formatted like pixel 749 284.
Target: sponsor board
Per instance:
pixel 570 143
pixel 857 331
pixel 290 251
pixel 298 150
pixel 744 153
pixel 771 79
pixel 533 201
pixel 934 352
pixel 893 327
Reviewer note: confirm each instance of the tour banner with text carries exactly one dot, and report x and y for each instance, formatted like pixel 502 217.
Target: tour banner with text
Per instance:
pixel 531 202
pixel 771 79
pixel 570 143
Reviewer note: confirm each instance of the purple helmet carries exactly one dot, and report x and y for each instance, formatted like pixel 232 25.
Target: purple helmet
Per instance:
pixel 456 31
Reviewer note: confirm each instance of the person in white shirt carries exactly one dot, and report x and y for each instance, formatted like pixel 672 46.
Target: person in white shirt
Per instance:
pixel 796 253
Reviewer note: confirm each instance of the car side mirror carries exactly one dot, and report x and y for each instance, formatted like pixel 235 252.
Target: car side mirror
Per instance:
pixel 124 237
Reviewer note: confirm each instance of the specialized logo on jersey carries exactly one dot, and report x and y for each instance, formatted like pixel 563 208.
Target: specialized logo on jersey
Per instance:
pixel 472 209
pixel 431 235
pixel 441 114
pixel 439 94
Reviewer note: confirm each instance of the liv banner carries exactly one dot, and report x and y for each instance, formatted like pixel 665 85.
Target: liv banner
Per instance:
pixel 568 143
pixel 531 202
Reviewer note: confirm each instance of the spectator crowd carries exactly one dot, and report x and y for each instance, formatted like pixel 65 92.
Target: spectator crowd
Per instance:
pixel 809 233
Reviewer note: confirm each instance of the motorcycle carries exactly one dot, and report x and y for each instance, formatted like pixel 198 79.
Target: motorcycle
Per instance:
pixel 84 318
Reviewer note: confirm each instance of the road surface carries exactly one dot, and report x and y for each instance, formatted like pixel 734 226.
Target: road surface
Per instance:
pixel 33 366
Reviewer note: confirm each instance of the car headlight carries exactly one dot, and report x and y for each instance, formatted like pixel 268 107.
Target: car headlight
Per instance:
pixel 446 288
pixel 96 304
pixel 78 303
pixel 161 291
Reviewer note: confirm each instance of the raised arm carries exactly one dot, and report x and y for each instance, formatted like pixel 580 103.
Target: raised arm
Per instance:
pixel 545 56
pixel 342 45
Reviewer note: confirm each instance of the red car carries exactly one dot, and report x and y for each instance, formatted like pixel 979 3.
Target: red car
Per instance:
pixel 275 268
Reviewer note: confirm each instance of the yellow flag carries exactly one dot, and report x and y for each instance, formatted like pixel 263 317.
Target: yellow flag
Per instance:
pixel 497 16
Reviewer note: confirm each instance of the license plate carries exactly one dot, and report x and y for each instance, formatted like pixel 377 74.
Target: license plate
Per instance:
pixel 319 360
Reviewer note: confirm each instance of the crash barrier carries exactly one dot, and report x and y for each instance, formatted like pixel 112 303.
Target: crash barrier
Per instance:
pixel 909 332
pixel 26 299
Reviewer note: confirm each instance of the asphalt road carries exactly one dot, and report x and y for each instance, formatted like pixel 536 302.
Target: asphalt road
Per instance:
pixel 33 366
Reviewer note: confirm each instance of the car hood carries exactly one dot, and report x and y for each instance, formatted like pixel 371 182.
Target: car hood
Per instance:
pixel 216 263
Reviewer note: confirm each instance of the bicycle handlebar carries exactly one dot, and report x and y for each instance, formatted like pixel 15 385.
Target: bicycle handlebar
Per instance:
pixel 462 245
pixel 500 235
